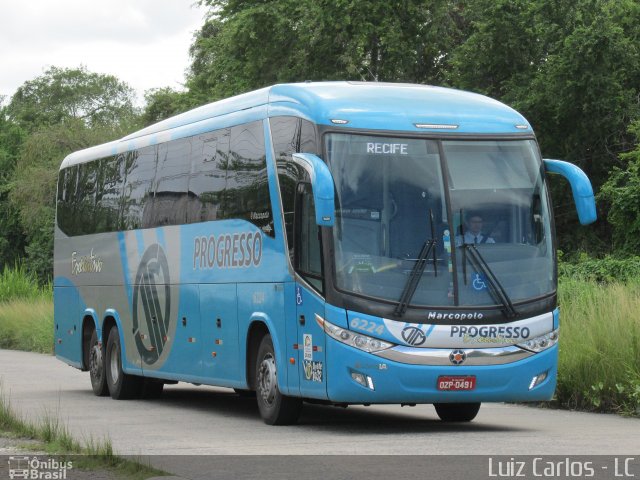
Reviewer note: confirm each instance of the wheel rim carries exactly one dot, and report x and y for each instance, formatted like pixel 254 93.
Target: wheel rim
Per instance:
pixel 267 383
pixel 95 361
pixel 114 357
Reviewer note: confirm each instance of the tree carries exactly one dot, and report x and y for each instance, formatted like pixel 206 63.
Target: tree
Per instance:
pixel 33 188
pixel 63 94
pixel 59 112
pixel 621 194
pixel 12 241
pixel 250 44
pixel 163 103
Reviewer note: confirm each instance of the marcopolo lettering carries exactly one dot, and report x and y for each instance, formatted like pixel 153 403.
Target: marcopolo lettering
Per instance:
pixel 387 148
pixel 454 316
pixel 490 331
pixel 237 250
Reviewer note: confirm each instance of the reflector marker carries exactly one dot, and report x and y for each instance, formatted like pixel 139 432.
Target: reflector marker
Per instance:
pixel 436 126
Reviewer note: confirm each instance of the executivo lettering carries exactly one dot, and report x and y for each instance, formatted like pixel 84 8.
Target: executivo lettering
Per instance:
pixel 87 264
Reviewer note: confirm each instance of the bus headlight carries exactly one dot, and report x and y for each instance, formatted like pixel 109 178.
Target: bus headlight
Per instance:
pixel 541 343
pixel 354 339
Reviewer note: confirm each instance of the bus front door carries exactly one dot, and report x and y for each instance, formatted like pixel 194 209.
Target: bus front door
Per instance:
pixel 311 344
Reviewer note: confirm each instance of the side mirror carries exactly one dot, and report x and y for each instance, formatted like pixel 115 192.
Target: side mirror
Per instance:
pixel 322 185
pixel 580 186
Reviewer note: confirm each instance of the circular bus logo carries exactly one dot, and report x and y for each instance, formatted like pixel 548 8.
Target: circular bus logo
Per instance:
pixel 151 304
pixel 413 336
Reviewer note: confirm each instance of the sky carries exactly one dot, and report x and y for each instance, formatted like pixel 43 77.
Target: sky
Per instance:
pixel 142 42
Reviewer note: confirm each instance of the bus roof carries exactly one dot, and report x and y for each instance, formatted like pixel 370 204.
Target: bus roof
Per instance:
pixel 360 105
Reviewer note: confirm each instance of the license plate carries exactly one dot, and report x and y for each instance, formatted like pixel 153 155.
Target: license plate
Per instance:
pixel 456 383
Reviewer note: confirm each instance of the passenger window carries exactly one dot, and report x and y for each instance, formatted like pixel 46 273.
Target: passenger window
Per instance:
pixel 109 193
pixel 308 258
pixel 140 170
pixel 83 222
pixel 66 195
pixel 207 183
pixel 290 135
pixel 169 204
pixel 247 189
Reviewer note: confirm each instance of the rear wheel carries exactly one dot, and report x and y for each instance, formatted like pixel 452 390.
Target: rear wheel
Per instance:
pixel 457 412
pixel 275 408
pixel 121 385
pixel 96 367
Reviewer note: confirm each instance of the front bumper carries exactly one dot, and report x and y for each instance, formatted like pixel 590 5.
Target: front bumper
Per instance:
pixel 396 382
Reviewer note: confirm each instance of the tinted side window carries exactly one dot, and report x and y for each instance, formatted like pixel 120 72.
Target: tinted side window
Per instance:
pixel 169 204
pixel 209 156
pixel 139 171
pixel 308 260
pixel 83 221
pixel 247 192
pixel 109 194
pixel 67 180
pixel 290 135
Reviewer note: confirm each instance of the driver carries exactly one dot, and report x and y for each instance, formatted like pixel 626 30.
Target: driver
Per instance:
pixel 473 232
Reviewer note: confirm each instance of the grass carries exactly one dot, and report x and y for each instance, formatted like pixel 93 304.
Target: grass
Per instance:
pixel 599 367
pixel 26 312
pixel 27 325
pixel 54 438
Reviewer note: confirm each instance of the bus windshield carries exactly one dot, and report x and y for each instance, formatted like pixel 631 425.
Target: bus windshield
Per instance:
pixel 481 207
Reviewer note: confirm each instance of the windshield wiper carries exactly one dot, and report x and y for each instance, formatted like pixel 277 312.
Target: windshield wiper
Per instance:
pixel 414 277
pixel 497 291
pixel 417 271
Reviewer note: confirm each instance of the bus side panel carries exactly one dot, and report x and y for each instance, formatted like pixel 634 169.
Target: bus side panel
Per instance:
pixel 220 350
pixel 67 314
pixel 264 302
pixel 184 355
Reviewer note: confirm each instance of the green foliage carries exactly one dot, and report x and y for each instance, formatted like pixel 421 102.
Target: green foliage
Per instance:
pixel 621 194
pixel 251 44
pixel 608 269
pixel 18 283
pixel 599 366
pixel 33 188
pixel 26 312
pixel 163 103
pixel 62 94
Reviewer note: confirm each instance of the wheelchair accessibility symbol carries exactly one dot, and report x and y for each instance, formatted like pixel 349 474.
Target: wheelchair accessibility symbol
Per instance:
pixel 479 282
pixel 298 296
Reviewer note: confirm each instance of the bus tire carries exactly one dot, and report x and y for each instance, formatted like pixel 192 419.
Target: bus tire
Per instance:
pixel 275 408
pixel 97 372
pixel 457 412
pixel 121 385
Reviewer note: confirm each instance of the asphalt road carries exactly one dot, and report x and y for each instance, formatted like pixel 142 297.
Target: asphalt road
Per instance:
pixel 191 420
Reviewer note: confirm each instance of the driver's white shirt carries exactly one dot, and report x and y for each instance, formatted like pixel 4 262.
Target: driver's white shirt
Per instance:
pixel 471 238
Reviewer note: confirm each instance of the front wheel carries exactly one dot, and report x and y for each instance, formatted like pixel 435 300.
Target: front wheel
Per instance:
pixel 275 408
pixel 121 385
pixel 96 367
pixel 457 412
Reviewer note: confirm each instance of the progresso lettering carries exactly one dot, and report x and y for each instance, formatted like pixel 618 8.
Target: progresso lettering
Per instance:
pixel 387 148
pixel 237 250
pixel 490 332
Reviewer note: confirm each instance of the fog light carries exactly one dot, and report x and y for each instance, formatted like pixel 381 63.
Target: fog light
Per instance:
pixel 364 380
pixel 537 380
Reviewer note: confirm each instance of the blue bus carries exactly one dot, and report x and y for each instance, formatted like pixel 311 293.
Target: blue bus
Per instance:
pixel 333 242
